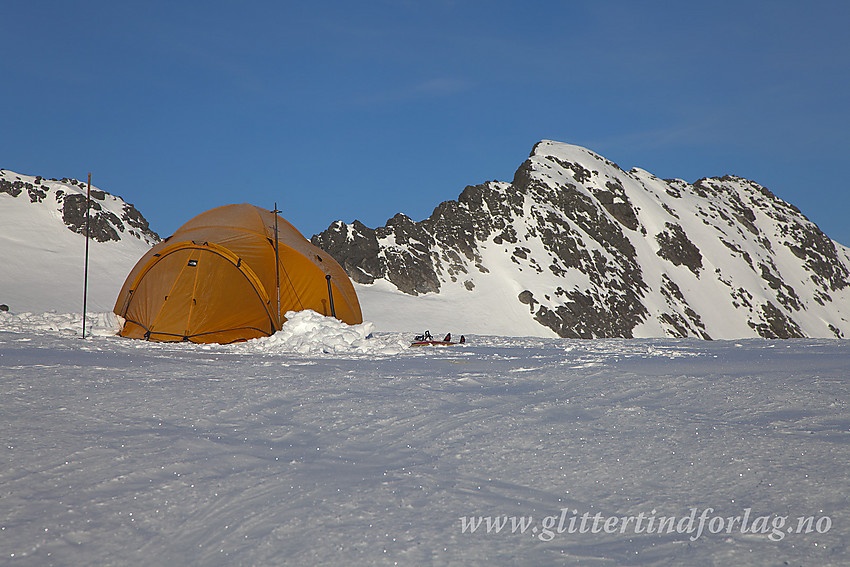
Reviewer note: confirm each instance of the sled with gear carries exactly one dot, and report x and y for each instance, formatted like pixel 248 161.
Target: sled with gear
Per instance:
pixel 426 339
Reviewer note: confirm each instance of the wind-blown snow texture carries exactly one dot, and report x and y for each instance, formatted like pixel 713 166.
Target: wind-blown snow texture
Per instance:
pixel 42 227
pixel 577 247
pixel 122 452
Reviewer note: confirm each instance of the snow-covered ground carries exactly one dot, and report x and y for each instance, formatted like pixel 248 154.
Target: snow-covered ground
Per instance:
pixel 393 310
pixel 335 447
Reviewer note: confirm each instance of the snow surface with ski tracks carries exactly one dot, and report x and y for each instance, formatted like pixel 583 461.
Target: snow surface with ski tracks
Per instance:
pixel 339 445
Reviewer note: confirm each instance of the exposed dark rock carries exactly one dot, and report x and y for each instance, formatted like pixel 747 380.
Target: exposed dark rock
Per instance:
pixel 13 188
pixel 818 253
pixel 785 293
pixel 776 324
pixel 527 297
pixel 134 219
pixel 356 249
pixel 685 324
pixel 580 173
pixel 616 202
pixel 678 249
pixel 737 249
pixel 406 263
pixel 36 193
pixel 586 316
pixel 742 298
pixel 103 225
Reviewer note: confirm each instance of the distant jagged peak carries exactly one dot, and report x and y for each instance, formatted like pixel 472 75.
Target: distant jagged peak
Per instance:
pixel 110 217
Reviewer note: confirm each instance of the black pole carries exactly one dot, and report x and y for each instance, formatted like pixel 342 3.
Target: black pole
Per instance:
pixel 330 295
pixel 86 267
pixel 276 265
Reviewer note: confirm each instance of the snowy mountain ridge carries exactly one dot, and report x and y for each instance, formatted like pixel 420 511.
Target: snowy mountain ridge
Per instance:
pixel 42 228
pixel 576 247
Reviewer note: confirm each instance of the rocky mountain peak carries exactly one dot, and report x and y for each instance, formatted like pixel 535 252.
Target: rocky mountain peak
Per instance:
pixel 591 250
pixel 109 216
pixel 44 251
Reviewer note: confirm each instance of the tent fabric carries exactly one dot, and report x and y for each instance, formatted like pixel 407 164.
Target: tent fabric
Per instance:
pixel 215 280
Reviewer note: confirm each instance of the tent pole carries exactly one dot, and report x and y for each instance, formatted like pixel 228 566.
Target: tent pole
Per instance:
pixel 276 265
pixel 330 295
pixel 86 266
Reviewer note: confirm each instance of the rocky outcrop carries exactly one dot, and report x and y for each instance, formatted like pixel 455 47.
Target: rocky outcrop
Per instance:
pixel 109 217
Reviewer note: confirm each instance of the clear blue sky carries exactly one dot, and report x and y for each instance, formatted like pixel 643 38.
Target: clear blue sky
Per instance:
pixel 344 110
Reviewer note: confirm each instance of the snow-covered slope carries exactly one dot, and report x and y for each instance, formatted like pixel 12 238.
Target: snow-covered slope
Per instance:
pixel 119 452
pixel 42 223
pixel 577 247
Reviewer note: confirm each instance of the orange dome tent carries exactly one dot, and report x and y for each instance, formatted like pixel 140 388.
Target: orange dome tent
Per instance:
pixel 216 280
